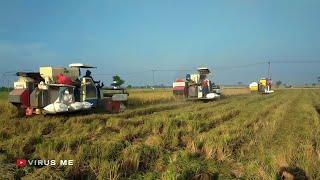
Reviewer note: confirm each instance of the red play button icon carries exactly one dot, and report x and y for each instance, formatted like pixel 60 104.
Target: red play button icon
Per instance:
pixel 21 163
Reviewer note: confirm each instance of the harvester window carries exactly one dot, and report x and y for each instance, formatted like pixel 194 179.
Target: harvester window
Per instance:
pixel 54 94
pixel 91 90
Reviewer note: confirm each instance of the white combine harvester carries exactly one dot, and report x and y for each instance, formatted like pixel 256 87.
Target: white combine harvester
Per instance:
pixel 197 86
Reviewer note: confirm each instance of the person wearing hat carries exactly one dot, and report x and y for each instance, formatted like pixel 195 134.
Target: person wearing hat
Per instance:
pixel 88 75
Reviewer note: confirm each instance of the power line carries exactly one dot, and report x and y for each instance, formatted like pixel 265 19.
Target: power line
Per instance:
pixel 122 74
pixel 240 66
pixel 166 70
pixel 265 62
pixel 174 70
pixel 268 63
pixel 155 70
pixel 295 62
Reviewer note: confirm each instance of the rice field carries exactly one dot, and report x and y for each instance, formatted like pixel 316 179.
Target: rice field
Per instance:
pixel 3 95
pixel 142 97
pixel 246 136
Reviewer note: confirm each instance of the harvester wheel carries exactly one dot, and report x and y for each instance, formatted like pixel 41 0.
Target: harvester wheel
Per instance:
pixel 29 111
pixel 21 110
pixel 44 112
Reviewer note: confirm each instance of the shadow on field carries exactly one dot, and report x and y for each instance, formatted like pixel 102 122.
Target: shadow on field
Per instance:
pixel 292 173
pixel 206 176
pixel 317 107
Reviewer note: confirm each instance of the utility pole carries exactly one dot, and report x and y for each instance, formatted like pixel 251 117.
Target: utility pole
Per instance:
pixel 153 71
pixel 269 70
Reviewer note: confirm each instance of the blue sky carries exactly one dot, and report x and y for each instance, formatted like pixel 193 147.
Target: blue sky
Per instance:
pixel 134 36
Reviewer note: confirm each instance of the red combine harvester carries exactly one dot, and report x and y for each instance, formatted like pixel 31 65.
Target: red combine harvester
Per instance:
pixel 55 90
pixel 179 87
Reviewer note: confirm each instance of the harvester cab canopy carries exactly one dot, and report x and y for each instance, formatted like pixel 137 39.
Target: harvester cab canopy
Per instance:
pixel 80 65
pixel 203 70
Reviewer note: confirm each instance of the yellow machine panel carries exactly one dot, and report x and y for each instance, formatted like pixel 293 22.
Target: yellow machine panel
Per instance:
pixel 263 82
pixel 49 74
pixel 195 78
pixel 22 82
pixel 253 86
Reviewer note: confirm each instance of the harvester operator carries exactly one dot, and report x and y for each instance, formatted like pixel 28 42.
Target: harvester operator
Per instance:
pixel 98 85
pixel 205 84
pixel 88 75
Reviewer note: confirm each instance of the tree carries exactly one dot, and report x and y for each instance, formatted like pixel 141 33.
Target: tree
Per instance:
pixel 278 83
pixel 239 83
pixel 117 81
pixel 129 86
pixel 6 88
pixel 313 84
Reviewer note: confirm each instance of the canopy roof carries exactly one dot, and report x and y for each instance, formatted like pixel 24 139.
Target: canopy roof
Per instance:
pixel 80 65
pixel 204 70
